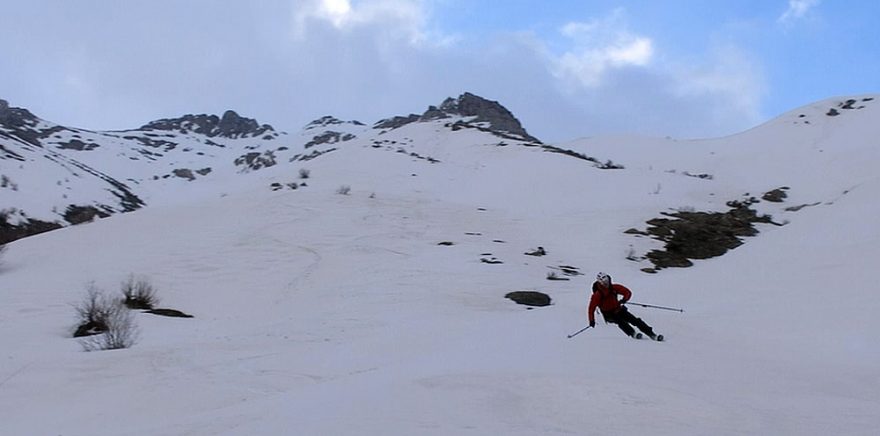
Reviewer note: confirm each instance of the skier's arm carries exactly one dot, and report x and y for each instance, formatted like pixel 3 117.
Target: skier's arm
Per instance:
pixel 624 292
pixel 594 302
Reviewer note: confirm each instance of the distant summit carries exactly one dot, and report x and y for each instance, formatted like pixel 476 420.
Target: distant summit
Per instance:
pixel 231 125
pixel 13 117
pixel 483 113
pixel 20 124
pixel 327 121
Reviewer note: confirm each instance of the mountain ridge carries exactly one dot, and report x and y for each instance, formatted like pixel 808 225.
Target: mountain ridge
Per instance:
pixel 104 173
pixel 112 171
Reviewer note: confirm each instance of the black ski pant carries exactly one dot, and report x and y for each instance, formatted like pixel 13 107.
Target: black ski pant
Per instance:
pixel 623 319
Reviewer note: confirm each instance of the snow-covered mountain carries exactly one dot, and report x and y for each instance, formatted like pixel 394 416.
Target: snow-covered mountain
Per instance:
pixel 54 175
pixel 380 308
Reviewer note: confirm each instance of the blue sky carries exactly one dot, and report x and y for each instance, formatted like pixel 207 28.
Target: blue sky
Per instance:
pixel 565 68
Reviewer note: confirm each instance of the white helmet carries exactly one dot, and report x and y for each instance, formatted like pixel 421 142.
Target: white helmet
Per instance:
pixel 604 279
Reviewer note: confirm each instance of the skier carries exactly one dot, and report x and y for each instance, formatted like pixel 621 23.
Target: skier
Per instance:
pixel 605 298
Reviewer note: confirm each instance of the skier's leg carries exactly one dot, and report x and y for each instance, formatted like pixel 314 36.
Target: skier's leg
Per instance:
pixel 636 321
pixel 616 318
pixel 625 327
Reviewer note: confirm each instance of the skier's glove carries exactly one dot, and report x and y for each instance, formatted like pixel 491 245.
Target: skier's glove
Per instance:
pixel 592 323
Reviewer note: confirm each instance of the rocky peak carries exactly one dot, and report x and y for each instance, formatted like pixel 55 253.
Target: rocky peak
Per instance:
pixel 14 117
pixel 492 115
pixel 485 111
pixel 327 121
pixel 231 125
pixel 234 126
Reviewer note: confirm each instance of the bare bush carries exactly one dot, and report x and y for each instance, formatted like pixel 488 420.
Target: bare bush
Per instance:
pixel 122 332
pixel 92 312
pixel 553 276
pixel 631 254
pixel 344 190
pixel 104 322
pixel 304 173
pixel 139 293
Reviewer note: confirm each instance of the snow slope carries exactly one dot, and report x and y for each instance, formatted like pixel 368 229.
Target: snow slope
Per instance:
pixel 322 313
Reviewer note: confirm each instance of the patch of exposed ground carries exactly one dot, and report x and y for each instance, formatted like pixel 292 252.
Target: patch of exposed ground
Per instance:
pixel 690 235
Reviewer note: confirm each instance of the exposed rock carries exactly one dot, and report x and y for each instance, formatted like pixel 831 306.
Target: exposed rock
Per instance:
pixel 490 112
pixel 168 312
pixel 314 154
pixel 570 270
pixel 607 165
pixel 6 182
pixel 14 117
pixel 184 173
pixel 801 206
pixel 231 125
pixel 775 196
pixel 433 113
pixel 395 122
pixel 155 143
pixel 234 126
pixel 483 114
pixel 21 124
pixel 530 298
pixel 328 120
pixel 10 232
pixel 329 138
pixel 698 176
pixel 255 160
pixel 701 235
pixel 83 214
pixel 537 252
pixel 89 329
pixel 76 144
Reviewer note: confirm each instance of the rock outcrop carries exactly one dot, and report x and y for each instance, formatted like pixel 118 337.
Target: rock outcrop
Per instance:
pixel 479 112
pixel 230 125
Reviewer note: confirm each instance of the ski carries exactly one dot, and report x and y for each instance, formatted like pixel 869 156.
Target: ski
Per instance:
pixel 658 338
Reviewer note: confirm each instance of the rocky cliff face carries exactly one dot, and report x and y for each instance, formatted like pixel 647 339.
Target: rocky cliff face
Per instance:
pixel 230 125
pixel 481 113
pixel 20 124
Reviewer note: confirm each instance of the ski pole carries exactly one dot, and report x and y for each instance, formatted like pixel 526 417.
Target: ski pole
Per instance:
pixel 577 332
pixel 656 307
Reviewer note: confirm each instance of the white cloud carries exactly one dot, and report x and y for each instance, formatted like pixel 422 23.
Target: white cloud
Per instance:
pixel 730 76
pixel 797 9
pixel 403 19
pixel 599 46
pixel 617 80
pixel 359 59
pixel 337 11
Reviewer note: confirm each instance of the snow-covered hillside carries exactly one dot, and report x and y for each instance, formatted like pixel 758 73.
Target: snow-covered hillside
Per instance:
pixel 382 310
pixel 53 176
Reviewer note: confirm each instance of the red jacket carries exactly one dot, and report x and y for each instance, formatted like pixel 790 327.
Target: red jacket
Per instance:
pixel 606 300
